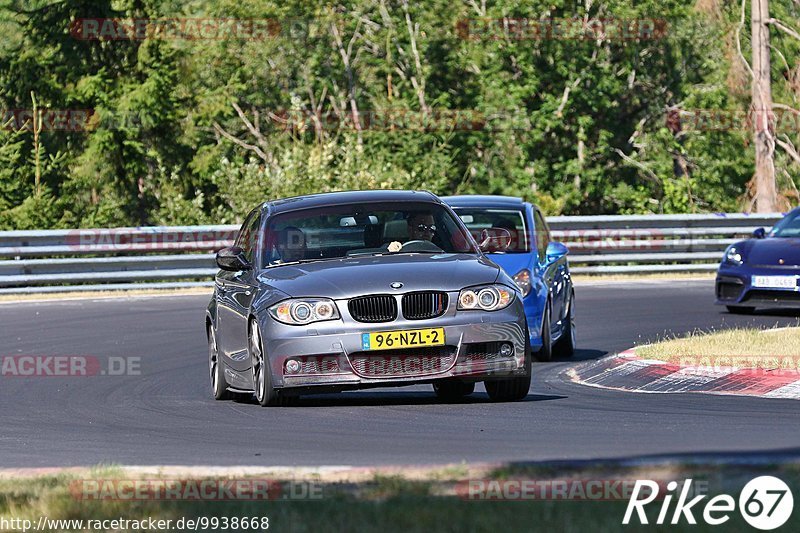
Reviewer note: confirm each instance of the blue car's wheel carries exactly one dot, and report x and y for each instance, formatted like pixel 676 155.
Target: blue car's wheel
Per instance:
pixel 565 346
pixel 545 353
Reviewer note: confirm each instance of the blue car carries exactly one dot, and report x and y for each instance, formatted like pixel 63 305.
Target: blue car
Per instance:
pixel 762 271
pixel 537 264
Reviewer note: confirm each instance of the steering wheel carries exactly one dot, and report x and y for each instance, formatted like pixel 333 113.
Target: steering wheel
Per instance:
pixel 420 245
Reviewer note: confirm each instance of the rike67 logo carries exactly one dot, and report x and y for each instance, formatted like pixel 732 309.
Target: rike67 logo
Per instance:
pixel 765 503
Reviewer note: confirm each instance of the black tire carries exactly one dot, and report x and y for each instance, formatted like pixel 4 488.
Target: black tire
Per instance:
pixel 266 395
pixel 545 353
pixel 219 386
pixel 450 390
pixel 740 310
pixel 512 389
pixel 565 346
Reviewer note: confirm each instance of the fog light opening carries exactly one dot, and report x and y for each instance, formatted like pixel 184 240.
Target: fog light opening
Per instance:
pixel 506 349
pixel 292 366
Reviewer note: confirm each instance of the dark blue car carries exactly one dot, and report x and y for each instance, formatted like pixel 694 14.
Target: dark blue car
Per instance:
pixel 537 264
pixel 762 271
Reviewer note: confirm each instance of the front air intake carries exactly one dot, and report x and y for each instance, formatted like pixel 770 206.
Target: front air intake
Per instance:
pixel 424 305
pixel 378 308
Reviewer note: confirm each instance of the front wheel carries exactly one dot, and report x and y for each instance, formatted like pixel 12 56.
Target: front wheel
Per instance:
pixel 219 387
pixel 513 389
pixel 545 353
pixel 452 390
pixel 565 346
pixel 262 376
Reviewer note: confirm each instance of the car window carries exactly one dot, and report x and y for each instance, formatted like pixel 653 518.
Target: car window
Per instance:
pixel 788 227
pixel 542 235
pixel 349 230
pixel 248 235
pixel 478 219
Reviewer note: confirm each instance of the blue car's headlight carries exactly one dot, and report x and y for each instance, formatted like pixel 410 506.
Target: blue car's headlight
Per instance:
pixel 304 311
pixel 733 256
pixel 485 298
pixel 523 281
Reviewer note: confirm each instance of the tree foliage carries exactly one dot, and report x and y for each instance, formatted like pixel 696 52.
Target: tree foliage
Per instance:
pixel 446 96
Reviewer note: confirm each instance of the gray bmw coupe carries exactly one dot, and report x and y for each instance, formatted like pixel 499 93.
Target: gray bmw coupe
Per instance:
pixel 350 290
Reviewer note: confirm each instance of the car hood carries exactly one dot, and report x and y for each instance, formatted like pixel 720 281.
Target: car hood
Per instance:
pixel 348 277
pixel 772 250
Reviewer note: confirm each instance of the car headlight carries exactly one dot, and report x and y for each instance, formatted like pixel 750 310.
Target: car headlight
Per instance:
pixel 733 256
pixel 485 298
pixel 304 311
pixel 523 281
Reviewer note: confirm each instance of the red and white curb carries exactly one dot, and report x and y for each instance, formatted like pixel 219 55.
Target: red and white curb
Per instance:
pixel 626 371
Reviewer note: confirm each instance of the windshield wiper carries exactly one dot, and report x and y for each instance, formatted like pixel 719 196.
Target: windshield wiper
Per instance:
pixel 301 261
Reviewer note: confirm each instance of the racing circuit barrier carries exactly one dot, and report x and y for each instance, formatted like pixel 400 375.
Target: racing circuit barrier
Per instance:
pixel 183 256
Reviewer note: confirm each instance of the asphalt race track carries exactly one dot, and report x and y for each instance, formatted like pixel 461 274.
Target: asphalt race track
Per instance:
pixel 166 414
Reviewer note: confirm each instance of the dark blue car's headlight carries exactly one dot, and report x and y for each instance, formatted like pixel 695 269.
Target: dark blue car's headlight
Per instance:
pixel 733 256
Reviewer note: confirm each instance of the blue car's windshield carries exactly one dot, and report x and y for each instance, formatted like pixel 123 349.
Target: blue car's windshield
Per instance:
pixel 787 227
pixel 366 229
pixel 513 220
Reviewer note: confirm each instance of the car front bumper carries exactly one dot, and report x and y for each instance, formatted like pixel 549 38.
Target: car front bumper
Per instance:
pixel 331 353
pixel 733 287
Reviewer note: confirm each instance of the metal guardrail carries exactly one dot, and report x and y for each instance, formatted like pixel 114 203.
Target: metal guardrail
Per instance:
pixel 182 256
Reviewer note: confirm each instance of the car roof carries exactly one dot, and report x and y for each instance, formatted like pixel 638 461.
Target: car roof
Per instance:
pixel 347 197
pixel 483 200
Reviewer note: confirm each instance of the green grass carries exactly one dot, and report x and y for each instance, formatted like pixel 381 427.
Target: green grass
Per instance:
pixel 744 347
pixel 387 503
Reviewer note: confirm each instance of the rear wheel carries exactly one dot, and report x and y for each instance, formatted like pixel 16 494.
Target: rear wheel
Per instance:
pixel 452 390
pixel 219 387
pixel 516 388
pixel 565 346
pixel 740 310
pixel 545 353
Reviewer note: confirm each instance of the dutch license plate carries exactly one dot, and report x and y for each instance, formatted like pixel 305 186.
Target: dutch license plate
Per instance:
pixel 774 282
pixel 409 338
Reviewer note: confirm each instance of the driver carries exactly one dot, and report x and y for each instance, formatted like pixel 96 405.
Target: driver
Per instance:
pixel 421 227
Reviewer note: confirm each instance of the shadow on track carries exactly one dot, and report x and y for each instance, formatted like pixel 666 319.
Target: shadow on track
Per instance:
pixel 766 459
pixel 580 355
pixel 788 313
pixel 392 398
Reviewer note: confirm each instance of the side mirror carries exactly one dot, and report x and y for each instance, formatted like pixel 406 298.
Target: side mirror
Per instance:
pixel 232 259
pixel 494 240
pixel 555 250
pixel 759 233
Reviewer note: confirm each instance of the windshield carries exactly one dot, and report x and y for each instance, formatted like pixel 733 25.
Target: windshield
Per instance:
pixel 364 229
pixel 787 227
pixel 478 219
